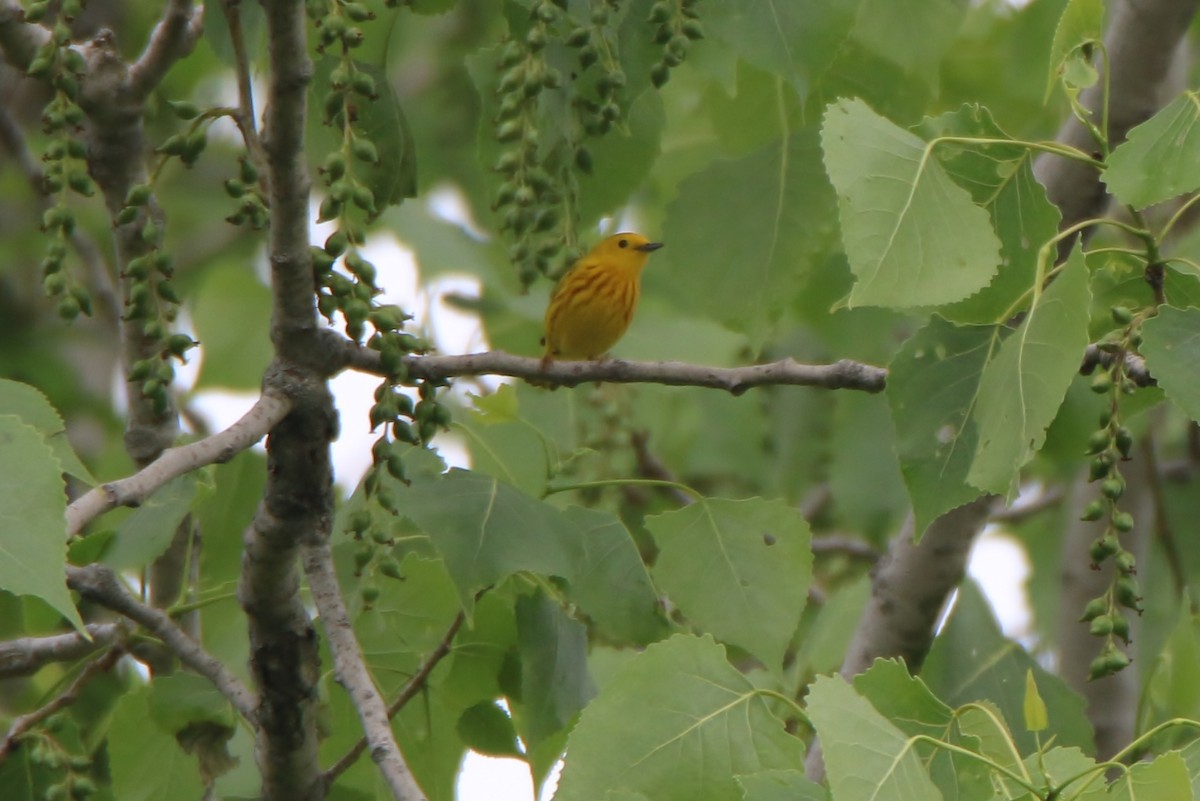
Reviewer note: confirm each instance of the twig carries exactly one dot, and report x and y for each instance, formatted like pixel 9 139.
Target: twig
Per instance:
pixel 172 39
pixel 26 722
pixel 650 466
pixel 27 655
pixel 409 691
pixel 220 447
pixel 231 9
pixel 19 40
pixel 1019 514
pixel 844 374
pixel 845 546
pixel 100 584
pixel 353 675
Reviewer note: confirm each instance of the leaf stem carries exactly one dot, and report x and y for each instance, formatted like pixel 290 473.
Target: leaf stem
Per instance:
pixel 552 489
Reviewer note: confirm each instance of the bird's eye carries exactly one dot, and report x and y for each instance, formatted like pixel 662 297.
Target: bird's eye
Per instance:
pixel 624 243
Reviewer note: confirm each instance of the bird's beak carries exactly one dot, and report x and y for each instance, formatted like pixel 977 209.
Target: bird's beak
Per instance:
pixel 649 246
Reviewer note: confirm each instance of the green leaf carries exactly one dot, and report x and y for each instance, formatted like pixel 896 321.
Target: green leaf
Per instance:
pixel 611 584
pixel 700 724
pixel 1172 349
pixel 742 234
pixel 486 530
pixel 1163 779
pixel 146 762
pixel 738 569
pixel 796 41
pixel 864 474
pixel 623 158
pixel 33 536
pixel 913 237
pixel 231 311
pixel 865 755
pixel 932 386
pixel 555 681
pixel 1000 179
pixel 184 698
pixel 1022 388
pixel 1082 22
pixel 1158 160
pixel 488 729
pixel 146 534
pixel 915 34
pixel 780 785
pixel 35 409
pixel 971 660
pixel 394 177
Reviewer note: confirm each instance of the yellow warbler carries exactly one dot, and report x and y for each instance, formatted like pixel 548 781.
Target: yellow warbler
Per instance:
pixel 593 303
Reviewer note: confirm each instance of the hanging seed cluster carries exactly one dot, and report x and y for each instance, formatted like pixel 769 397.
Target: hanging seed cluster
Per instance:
pixel 65 158
pixel 678 26
pixel 537 199
pixel 45 748
pixel 352 291
pixel 1109 445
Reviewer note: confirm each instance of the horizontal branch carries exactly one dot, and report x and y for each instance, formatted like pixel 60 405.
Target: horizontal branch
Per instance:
pixel 27 655
pixel 844 374
pixel 172 39
pixel 100 584
pixel 220 447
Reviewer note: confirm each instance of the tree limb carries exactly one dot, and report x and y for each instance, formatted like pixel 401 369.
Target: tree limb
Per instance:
pixel 174 462
pixel 98 583
pixel 409 691
pixel 353 675
pixel 844 374
pixel 27 655
pixel 173 38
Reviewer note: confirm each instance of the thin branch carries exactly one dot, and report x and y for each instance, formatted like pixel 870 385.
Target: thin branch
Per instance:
pixel 27 655
pixel 353 675
pixel 845 546
pixel 98 583
pixel 844 374
pixel 409 691
pixel 220 447
pixel 19 40
pixel 26 722
pixel 231 9
pixel 1019 514
pixel 173 38
pixel 650 466
pixel 101 283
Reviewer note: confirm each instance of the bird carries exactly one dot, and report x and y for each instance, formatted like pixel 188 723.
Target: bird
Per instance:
pixel 593 303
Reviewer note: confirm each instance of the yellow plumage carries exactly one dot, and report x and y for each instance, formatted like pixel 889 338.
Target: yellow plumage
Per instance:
pixel 593 303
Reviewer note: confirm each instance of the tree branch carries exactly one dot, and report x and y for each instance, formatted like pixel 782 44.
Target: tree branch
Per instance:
pixel 26 722
pixel 173 38
pixel 409 691
pixel 98 583
pixel 220 447
pixel 27 655
pixel 352 673
pixel 18 39
pixel 844 374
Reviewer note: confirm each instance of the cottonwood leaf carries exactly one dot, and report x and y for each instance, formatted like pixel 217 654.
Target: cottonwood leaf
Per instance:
pixel 1171 346
pixel 913 237
pixel 1161 157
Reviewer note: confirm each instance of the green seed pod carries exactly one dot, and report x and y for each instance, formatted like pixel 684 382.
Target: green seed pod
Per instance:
pixel 588 55
pixel 579 37
pixel 510 55
pixel 138 268
pixel 82 298
pixel 509 131
pixel 1102 383
pixel 82 183
pixel 76 149
pixel 68 309
pixel 1103 547
pixel 1122 315
pixel 1120 626
pixel 535 40
pixel 552 79
pixel 1101 626
pixel 1100 467
pixel 1112 488
pixel 1094 511
pixel 183 109
pixel 234 188
pixel 369 593
pixel 362 556
pixel 1096 606
pixel 73 115
pixel 358 12
pixel 40 68
pixel 660 12
pixel 692 29
pixel 1124 441
pixel 1123 522
pixel 36 12
pixel 659 75
pixel 546 12
pixel 1126 591
pixel 166 291
pixel 154 329
pixel 363 84
pixel 54 284
pixel 1098 441
pixel 390 568
pixel 403 432
pixel 173 145
pixel 327 305
pixel 512 79
pixel 1126 563
pixel 333 104
pixel 329 210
